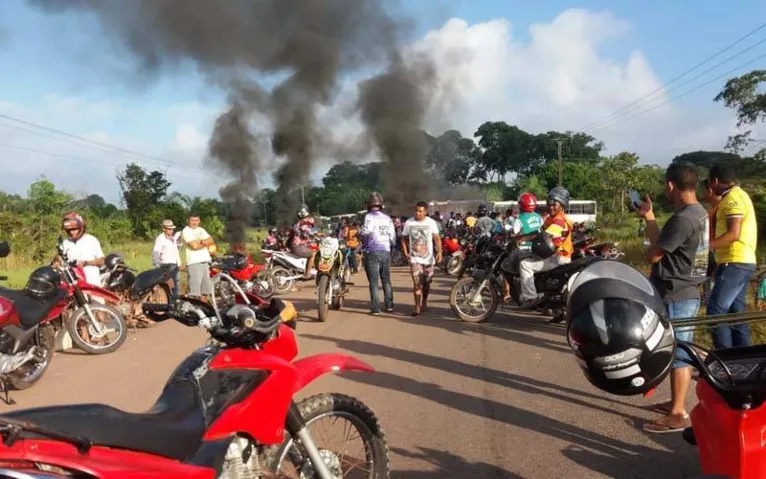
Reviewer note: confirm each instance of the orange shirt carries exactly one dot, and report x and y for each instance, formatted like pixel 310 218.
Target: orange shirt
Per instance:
pixel 560 228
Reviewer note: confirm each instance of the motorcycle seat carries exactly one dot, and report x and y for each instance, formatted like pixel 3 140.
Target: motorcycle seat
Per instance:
pixel 574 266
pixel 146 280
pixel 30 310
pixel 172 428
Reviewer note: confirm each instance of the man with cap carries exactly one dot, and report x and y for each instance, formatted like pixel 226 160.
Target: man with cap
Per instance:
pixel 166 251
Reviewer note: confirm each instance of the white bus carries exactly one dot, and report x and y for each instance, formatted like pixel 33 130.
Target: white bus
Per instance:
pixel 579 211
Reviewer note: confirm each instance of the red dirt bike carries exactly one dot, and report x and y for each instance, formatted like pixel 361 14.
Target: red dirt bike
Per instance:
pixel 94 320
pixel 249 275
pixel 228 410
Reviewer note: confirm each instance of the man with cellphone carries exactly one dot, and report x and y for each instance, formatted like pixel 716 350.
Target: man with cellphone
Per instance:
pixel 679 258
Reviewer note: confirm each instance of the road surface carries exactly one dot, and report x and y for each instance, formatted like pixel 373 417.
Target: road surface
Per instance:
pixel 502 399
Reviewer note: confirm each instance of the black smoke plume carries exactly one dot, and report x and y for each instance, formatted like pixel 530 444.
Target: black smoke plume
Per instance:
pixel 307 45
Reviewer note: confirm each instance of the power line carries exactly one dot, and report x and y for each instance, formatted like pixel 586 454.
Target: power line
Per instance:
pixel 699 75
pixel 725 49
pixel 683 94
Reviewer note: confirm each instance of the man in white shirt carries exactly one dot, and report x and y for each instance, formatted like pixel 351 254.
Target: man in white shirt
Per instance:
pixel 165 252
pixel 418 238
pixel 197 257
pixel 82 248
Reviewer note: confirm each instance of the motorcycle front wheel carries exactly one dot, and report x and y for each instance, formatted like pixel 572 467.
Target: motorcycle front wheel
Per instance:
pixel 84 335
pixel 324 297
pixel 453 265
pixel 290 460
pixel 461 296
pixel 283 283
pixel 264 285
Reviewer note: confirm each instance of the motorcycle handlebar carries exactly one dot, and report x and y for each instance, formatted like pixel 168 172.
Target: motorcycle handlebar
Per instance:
pixel 703 368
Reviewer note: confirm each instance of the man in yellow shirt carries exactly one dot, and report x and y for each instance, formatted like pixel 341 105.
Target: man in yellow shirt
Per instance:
pixel 736 230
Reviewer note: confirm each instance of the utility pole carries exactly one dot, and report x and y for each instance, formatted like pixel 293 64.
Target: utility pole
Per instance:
pixel 559 143
pixel 303 196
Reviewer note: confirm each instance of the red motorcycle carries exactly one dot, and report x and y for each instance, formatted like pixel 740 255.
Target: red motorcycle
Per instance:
pixel 30 324
pixel 228 410
pixel 249 275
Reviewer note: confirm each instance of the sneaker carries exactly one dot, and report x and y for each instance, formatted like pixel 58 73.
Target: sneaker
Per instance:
pixel 530 304
pixel 389 310
pixel 375 313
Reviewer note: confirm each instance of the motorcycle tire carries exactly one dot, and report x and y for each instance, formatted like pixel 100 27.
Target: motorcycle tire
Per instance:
pixel 71 325
pixel 281 286
pixel 453 265
pixel 494 301
pixel 345 407
pixel 264 292
pixel 45 339
pixel 398 259
pixel 323 304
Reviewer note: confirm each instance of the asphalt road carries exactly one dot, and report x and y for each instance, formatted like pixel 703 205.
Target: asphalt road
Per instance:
pixel 500 399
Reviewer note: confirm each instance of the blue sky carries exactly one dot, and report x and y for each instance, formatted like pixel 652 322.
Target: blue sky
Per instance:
pixel 48 57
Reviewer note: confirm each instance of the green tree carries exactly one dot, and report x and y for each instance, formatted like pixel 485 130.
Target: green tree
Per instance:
pixel 142 192
pixel 746 96
pixel 45 199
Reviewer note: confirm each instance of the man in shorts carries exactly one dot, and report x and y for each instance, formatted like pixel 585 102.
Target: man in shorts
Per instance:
pixel 198 244
pixel 418 238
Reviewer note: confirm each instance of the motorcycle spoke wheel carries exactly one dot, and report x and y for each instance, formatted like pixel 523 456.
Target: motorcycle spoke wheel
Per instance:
pixel 113 331
pixel 282 282
pixel 347 434
pixel 461 301
pixel 31 372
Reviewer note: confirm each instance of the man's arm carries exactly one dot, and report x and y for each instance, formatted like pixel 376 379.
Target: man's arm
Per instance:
pixel 438 241
pixel 406 240
pixel 157 251
pixel 732 234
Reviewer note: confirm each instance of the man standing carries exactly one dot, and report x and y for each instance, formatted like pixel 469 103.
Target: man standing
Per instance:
pixel 197 257
pixel 484 224
pixel 736 228
pixel 419 236
pixel 679 258
pixel 82 247
pixel 378 235
pixel 165 252
pixel 559 227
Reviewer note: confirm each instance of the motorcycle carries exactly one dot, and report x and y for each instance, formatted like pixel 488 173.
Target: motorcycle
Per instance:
pixel 333 274
pixel 467 296
pixel 286 268
pixel 87 307
pixel 227 411
pixel 151 286
pixel 249 275
pixel 452 253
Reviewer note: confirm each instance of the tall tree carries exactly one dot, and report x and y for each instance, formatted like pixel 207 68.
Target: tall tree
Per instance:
pixel 142 192
pixel 45 199
pixel 745 95
pixel 451 157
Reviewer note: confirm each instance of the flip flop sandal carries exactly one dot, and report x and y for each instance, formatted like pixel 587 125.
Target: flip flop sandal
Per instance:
pixel 656 427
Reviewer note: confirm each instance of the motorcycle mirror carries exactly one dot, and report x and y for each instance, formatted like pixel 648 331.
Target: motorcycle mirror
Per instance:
pixel 5 249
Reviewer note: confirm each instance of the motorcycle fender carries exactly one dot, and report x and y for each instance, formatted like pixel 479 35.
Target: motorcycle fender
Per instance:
pixel 312 367
pixel 325 265
pixel 458 253
pixel 99 292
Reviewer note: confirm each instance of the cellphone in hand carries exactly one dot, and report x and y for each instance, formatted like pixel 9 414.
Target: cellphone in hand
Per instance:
pixel 635 200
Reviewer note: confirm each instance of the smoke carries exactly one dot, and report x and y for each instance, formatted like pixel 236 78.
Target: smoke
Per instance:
pixel 303 47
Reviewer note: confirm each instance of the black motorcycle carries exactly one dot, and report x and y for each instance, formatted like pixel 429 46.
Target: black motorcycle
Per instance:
pixel 475 298
pixel 151 286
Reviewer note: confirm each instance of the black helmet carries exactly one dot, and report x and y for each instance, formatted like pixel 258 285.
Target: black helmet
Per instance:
pixel 482 211
pixel 560 195
pixel 543 245
pixel 113 259
pixel 5 249
pixel 374 200
pixel 43 283
pixel 618 329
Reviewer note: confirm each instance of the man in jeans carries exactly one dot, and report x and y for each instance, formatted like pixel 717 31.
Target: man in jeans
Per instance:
pixel 679 257
pixel 165 252
pixel 736 232
pixel 378 235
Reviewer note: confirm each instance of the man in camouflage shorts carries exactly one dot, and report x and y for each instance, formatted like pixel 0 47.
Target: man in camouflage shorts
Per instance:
pixel 418 238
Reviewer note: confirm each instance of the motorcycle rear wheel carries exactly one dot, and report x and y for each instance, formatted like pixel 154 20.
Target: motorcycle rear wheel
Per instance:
pixel 23 378
pixel 333 405
pixel 282 282
pixel 265 286
pixel 458 300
